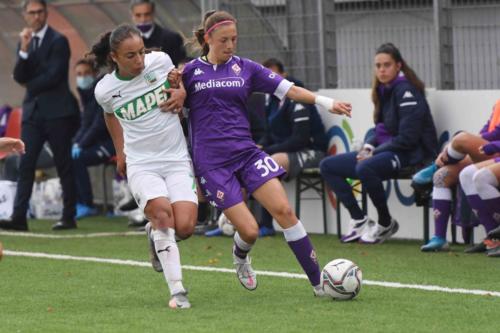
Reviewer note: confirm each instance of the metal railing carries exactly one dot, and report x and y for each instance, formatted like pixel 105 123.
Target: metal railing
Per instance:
pixel 451 44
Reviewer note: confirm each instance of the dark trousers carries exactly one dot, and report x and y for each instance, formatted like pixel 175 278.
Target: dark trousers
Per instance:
pixel 94 155
pixel 58 132
pixel 371 172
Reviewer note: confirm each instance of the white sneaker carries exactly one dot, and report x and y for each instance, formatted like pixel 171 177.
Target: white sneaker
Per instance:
pixel 153 257
pixel 356 229
pixel 375 233
pixel 179 301
pixel 245 273
pixel 319 291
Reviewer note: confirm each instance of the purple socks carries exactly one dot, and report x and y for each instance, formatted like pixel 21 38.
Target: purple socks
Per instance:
pixel 303 249
pixel 441 204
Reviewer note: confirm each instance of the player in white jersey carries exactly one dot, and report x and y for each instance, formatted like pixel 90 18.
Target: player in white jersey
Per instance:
pixel 150 146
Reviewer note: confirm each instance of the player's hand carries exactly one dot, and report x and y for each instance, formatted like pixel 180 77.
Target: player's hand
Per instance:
pixel 342 108
pixel 442 159
pixel 11 145
pixel 364 154
pixel 174 78
pixel 121 165
pixel 25 37
pixel 175 102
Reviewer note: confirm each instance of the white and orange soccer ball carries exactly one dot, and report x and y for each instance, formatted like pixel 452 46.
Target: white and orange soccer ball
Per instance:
pixel 341 279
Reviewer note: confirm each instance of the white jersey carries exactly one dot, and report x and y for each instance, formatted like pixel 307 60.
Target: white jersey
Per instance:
pixel 150 135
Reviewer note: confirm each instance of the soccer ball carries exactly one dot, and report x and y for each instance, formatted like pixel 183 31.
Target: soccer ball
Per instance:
pixel 341 279
pixel 225 225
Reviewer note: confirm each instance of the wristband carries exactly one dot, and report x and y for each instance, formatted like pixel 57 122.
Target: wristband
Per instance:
pixel 325 102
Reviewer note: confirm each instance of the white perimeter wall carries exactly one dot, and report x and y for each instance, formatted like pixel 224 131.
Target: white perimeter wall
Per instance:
pixel 452 110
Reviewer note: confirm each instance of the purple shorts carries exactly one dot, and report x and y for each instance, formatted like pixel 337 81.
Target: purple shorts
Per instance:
pixel 222 187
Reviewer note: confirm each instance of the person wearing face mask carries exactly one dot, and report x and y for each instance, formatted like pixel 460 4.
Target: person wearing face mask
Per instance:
pixel 153 35
pixel 92 144
pixel 50 111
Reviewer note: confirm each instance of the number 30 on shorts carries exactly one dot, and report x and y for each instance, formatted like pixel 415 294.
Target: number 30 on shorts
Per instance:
pixel 266 165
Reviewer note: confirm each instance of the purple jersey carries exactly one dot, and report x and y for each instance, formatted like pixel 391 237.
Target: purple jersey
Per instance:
pixel 217 95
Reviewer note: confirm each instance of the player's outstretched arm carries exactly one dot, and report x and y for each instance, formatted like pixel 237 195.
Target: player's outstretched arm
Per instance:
pixel 116 132
pixel 305 96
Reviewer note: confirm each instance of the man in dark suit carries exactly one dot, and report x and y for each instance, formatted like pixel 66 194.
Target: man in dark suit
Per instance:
pixel 155 36
pixel 50 111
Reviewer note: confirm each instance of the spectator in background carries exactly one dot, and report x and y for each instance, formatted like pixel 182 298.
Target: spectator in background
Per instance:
pixel 92 143
pixel 404 135
pixel 153 35
pixel 50 111
pixel 295 137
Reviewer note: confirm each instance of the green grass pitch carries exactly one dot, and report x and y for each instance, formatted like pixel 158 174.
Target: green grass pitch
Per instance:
pixel 46 295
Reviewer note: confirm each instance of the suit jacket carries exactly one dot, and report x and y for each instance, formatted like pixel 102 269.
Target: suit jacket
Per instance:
pixel 168 41
pixel 45 76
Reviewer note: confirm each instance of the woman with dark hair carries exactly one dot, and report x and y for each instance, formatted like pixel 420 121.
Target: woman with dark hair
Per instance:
pixel 404 135
pixel 225 157
pixel 150 146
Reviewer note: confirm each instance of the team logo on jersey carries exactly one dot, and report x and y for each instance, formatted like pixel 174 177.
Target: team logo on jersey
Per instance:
pixel 220 195
pixel 236 69
pixel 150 77
pixel 142 104
pixel 272 75
pixel 408 94
pixel 198 71
pixel 119 95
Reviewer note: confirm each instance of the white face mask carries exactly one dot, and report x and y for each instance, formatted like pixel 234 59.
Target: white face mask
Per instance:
pixel 84 82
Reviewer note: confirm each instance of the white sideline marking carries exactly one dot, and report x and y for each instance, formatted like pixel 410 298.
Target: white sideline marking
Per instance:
pixel 263 273
pixel 91 235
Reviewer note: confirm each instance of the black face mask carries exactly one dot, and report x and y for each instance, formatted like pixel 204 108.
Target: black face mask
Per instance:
pixel 144 27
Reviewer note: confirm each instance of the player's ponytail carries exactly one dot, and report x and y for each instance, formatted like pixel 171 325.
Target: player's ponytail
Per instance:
pixel 109 42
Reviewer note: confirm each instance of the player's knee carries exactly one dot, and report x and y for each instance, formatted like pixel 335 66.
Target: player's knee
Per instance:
pixel 158 214
pixel 184 230
pixel 283 211
pixel 364 172
pixel 483 179
pixel 466 178
pixel 461 141
pixel 250 234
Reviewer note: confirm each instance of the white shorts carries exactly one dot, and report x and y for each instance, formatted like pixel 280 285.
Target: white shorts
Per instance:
pixel 172 180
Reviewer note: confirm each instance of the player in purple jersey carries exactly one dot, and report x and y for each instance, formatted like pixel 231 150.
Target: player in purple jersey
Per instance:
pixel 226 158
